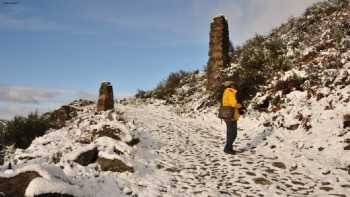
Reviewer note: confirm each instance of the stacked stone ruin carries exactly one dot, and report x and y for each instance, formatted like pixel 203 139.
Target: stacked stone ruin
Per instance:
pixel 219 46
pixel 105 99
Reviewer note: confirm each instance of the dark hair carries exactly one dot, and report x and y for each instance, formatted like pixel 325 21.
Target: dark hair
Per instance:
pixel 231 86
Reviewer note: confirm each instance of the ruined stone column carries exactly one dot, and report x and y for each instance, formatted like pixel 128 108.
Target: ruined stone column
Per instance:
pixel 105 99
pixel 219 45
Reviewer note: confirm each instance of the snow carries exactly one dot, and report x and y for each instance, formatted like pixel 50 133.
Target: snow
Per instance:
pixel 42 186
pixel 108 145
pixel 297 150
pixel 181 154
pixel 75 154
pixel 202 142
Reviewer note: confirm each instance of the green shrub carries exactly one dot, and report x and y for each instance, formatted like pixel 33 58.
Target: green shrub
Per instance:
pixel 140 94
pixel 327 7
pixel 168 86
pixel 340 31
pixel 21 131
pixel 258 59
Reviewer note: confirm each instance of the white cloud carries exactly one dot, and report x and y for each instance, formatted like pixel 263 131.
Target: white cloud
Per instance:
pixel 21 100
pixel 248 17
pixel 30 95
pixel 8 111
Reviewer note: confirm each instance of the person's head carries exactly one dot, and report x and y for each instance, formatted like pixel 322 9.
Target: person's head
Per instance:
pixel 229 84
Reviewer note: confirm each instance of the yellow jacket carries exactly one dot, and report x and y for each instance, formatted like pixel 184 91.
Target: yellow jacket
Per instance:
pixel 229 99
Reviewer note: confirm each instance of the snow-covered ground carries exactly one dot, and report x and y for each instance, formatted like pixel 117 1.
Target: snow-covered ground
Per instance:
pixel 189 159
pixel 182 156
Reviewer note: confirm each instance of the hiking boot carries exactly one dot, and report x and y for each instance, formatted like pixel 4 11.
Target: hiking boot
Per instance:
pixel 231 152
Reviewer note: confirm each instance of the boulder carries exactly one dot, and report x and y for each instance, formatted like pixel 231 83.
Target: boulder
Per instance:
pixel 116 132
pixel 17 185
pixel 109 131
pixel 37 180
pixel 279 165
pixel 105 99
pixel 114 164
pixel 346 121
pixel 59 117
pixel 54 195
pixel 86 156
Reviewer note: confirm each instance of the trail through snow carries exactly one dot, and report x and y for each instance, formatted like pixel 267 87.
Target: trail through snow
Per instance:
pixel 185 158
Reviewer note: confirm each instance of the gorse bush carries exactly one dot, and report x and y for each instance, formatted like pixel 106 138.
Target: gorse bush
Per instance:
pixel 326 7
pixel 141 94
pixel 168 86
pixel 21 131
pixel 2 134
pixel 257 60
pixel 340 31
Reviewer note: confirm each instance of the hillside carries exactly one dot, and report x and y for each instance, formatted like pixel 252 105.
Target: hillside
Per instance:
pixel 317 43
pixel 2 130
pixel 294 139
pixel 2 125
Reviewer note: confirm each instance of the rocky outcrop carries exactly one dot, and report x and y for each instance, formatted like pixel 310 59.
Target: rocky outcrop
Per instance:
pixel 105 100
pixel 59 117
pixel 37 180
pixel 346 123
pixel 54 195
pixel 113 164
pixel 109 131
pixel 219 46
pixel 16 186
pixel 87 156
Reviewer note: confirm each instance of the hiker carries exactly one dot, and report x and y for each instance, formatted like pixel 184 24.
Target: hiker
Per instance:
pixel 229 111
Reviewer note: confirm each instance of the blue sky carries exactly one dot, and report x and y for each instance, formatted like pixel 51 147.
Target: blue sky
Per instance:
pixel 54 51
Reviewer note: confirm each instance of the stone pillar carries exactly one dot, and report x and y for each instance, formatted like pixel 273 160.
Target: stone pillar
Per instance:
pixel 105 99
pixel 219 46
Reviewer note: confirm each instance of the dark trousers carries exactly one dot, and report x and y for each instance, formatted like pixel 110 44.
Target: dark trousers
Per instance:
pixel 231 134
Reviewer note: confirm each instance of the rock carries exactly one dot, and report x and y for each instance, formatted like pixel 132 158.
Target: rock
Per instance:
pixel 326 172
pixel 59 117
pixel 293 127
pixel 346 121
pixel 267 123
pixel 264 103
pixel 82 103
pixel 294 167
pixel 17 185
pixel 326 188
pixel 347 147
pixel 219 46
pixel 106 99
pixel 56 157
pixel 87 156
pixel 279 165
pixel 109 131
pixel 119 133
pixel 53 195
pixel 134 141
pixel 114 164
pixel 262 181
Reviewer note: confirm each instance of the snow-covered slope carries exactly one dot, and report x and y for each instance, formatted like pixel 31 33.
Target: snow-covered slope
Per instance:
pixel 272 161
pixel 182 156
pixel 3 122
pixel 84 153
pixel 293 141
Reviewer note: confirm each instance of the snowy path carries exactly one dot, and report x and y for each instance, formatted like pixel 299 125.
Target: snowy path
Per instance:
pixel 184 157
